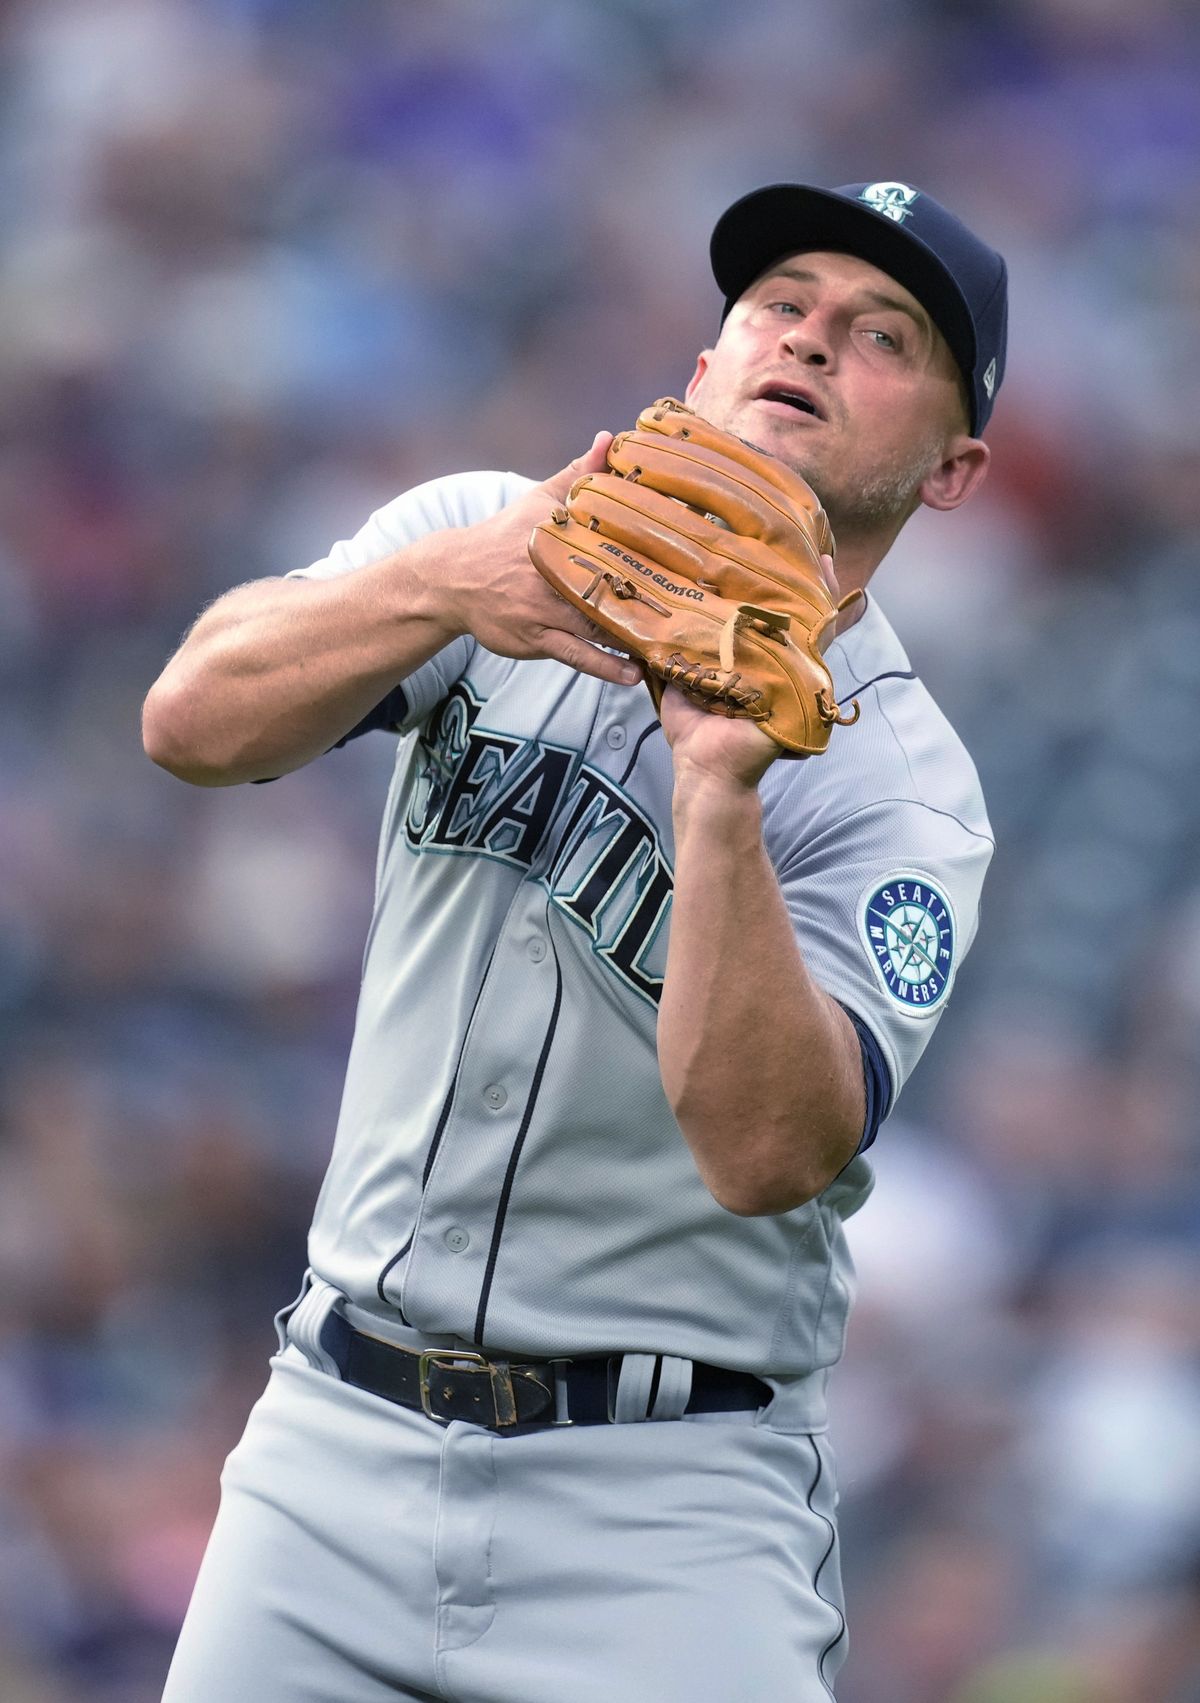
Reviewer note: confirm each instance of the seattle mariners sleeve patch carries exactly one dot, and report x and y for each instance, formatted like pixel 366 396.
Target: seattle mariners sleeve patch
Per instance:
pixel 909 931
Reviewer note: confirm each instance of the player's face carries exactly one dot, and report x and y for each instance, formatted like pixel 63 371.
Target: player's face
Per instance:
pixel 833 366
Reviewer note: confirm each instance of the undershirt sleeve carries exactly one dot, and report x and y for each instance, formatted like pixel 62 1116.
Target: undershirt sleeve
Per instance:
pixel 388 716
pixel 877 1079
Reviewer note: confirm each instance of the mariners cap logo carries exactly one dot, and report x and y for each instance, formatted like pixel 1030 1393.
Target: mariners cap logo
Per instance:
pixel 893 200
pixel 989 378
pixel 908 928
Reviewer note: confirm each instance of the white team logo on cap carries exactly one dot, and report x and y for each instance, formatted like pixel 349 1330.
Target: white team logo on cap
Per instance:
pixel 894 200
pixel 989 378
pixel 908 928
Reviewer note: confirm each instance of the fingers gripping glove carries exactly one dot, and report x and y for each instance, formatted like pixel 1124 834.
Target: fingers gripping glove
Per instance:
pixel 701 555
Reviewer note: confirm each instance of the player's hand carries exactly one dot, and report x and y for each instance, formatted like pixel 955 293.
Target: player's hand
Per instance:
pixel 705 744
pixel 497 594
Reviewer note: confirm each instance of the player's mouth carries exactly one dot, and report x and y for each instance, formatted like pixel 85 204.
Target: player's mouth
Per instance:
pixel 791 396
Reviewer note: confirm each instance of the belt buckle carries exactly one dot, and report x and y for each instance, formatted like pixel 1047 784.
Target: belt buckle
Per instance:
pixel 504 1400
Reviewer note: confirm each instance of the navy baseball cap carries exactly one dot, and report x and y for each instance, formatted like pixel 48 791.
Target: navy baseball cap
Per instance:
pixel 960 282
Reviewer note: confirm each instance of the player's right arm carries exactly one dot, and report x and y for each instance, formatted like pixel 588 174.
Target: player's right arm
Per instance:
pixel 277 671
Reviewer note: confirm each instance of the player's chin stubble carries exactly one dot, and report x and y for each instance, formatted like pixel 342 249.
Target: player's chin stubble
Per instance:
pixel 874 501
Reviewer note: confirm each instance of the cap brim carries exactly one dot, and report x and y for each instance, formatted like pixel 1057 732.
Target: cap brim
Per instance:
pixel 788 218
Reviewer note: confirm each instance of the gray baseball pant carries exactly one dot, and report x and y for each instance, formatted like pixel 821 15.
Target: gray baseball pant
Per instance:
pixel 364 1553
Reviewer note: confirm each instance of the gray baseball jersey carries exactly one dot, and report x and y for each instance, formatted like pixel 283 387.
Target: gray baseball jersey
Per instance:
pixel 507 1169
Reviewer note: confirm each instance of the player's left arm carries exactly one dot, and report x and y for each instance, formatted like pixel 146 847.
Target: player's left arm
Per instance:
pixel 762 1068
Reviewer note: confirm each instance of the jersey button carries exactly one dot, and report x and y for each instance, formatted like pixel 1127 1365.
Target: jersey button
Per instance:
pixel 494 1097
pixel 616 737
pixel 537 948
pixel 456 1239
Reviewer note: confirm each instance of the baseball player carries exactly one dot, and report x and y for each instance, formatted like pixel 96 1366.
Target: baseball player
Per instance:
pixel 547 1420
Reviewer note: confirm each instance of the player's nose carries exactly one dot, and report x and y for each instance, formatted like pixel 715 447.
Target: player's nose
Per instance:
pixel 810 339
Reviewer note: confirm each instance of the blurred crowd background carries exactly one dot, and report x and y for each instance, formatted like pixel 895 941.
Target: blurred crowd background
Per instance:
pixel 265 263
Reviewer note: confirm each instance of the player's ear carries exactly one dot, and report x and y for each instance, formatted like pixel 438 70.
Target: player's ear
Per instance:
pixel 958 475
pixel 701 369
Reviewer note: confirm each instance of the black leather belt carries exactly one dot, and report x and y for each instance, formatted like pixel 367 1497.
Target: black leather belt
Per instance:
pixel 452 1383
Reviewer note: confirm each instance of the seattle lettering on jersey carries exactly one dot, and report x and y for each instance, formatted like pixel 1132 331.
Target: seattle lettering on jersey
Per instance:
pixel 538 807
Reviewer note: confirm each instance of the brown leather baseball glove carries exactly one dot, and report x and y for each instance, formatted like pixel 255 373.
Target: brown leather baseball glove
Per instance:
pixel 701 556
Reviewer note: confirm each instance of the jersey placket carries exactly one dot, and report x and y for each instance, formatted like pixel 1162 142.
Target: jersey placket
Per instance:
pixel 468 1202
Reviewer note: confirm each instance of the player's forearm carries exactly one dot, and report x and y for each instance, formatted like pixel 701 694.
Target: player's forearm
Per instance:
pixel 762 1068
pixel 277 671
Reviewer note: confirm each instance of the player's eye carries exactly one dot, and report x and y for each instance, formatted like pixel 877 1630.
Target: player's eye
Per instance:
pixel 784 307
pixel 883 339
